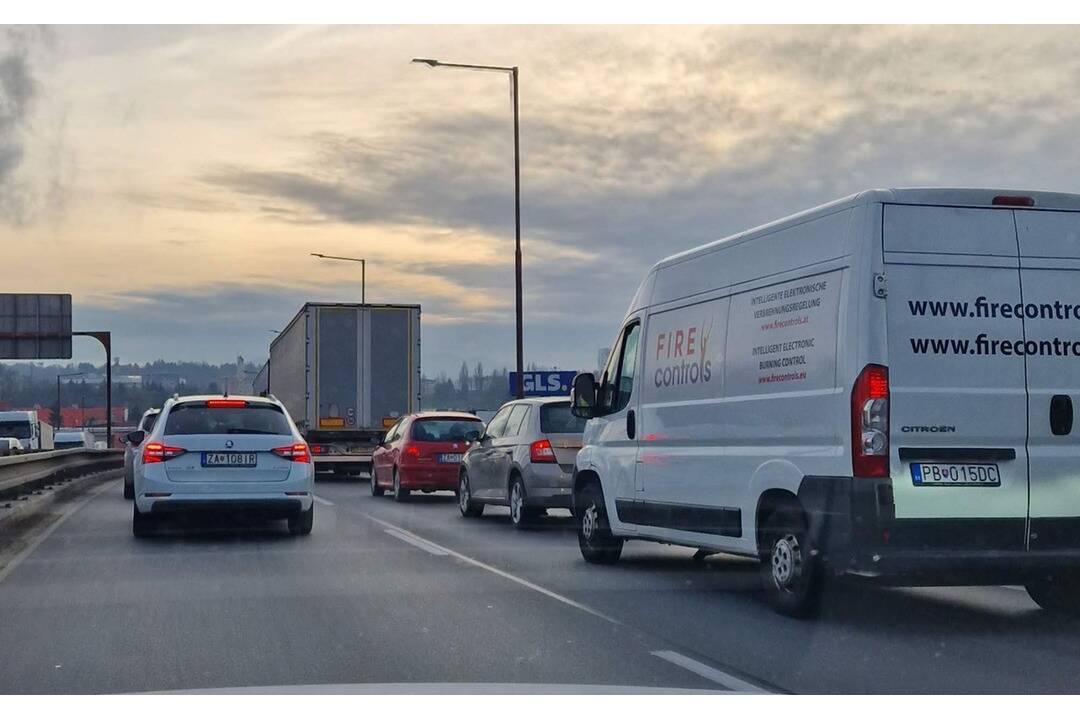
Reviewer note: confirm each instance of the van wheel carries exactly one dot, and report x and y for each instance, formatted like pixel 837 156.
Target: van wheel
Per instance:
pixel 1058 592
pixel 597 543
pixel 376 491
pixel 792 574
pixel 468 507
pixel 142 524
pixel 301 523
pixel 400 493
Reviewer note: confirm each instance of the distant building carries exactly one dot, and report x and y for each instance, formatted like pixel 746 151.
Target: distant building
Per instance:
pixel 99 378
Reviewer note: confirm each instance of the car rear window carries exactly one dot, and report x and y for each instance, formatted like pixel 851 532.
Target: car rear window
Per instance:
pixel 443 429
pixel 148 422
pixel 557 418
pixel 197 419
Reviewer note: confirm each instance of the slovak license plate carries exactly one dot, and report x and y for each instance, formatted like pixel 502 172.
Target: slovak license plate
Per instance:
pixel 229 459
pixel 450 457
pixel 955 474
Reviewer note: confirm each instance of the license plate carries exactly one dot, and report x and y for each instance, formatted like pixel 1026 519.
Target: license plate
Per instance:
pixel 450 457
pixel 228 459
pixel 955 474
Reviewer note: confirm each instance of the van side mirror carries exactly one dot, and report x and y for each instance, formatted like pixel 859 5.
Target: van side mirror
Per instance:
pixel 135 437
pixel 583 396
pixel 472 436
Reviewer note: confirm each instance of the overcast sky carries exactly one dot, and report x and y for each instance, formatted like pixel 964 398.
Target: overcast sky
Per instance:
pixel 174 180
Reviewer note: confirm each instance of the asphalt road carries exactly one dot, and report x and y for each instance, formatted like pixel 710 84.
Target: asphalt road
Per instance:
pixel 412 593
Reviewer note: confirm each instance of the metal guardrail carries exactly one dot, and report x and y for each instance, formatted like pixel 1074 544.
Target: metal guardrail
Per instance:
pixel 20 474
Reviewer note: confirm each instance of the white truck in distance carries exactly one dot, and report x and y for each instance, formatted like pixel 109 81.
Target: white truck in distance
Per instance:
pixel 33 433
pixel 346 373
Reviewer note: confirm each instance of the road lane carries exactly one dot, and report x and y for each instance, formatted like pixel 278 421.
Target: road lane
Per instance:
pixel 988 640
pixel 92 609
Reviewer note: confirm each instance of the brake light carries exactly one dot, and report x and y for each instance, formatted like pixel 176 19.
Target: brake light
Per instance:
pixel 317 449
pixel 410 451
pixel 541 452
pixel 870 423
pixel 156 452
pixel 226 403
pixel 297 453
pixel 1014 201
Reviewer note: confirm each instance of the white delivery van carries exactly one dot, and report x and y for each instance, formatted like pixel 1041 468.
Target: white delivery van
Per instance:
pixel 883 386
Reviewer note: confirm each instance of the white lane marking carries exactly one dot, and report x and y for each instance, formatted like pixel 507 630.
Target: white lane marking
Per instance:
pixel 321 501
pixel 17 560
pixel 500 573
pixel 415 541
pixel 709 673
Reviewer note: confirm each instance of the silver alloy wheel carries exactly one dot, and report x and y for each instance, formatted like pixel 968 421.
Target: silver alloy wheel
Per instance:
pixel 516 503
pixel 589 522
pixel 463 494
pixel 786 561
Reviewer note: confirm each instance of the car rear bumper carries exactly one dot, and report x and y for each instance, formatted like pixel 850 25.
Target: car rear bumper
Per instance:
pixel 263 504
pixel 853 525
pixel 547 485
pixel 429 477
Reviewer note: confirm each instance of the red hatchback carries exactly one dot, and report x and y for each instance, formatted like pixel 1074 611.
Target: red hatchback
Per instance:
pixel 422 452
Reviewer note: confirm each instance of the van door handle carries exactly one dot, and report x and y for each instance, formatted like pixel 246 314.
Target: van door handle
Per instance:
pixel 1061 414
pixel 631 424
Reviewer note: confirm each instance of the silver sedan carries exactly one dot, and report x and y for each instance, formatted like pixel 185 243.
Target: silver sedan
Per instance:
pixel 523 459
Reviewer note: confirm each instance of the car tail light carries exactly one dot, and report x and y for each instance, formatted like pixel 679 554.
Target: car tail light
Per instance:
pixel 297 453
pixel 1014 201
pixel 317 449
pixel 541 452
pixel 870 423
pixel 226 403
pixel 410 451
pixel 156 452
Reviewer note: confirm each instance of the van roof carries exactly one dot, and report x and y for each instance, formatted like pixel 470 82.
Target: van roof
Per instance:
pixel 955 197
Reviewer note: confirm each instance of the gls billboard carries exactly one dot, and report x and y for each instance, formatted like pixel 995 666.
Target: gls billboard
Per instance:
pixel 544 382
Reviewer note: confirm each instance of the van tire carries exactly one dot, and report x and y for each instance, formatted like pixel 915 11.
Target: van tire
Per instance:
pixel 595 540
pixel 400 494
pixel 142 524
pixel 302 523
pixel 376 489
pixel 466 505
pixel 1057 593
pixel 790 571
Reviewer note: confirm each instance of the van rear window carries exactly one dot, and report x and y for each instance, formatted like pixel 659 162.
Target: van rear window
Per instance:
pixel 557 418
pixel 197 419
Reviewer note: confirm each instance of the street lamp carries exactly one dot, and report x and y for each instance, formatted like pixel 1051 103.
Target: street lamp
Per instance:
pixel 513 71
pixel 363 271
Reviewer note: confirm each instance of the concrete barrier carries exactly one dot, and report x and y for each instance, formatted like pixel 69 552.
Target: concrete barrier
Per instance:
pixel 21 474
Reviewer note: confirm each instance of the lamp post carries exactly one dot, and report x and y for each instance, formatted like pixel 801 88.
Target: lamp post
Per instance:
pixel 363 271
pixel 513 72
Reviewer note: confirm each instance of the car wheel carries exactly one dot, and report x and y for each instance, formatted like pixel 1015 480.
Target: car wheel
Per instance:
pixel 468 507
pixel 1057 592
pixel 400 493
pixel 520 515
pixel 142 524
pixel 376 491
pixel 301 523
pixel 791 572
pixel 597 543
pixel 129 491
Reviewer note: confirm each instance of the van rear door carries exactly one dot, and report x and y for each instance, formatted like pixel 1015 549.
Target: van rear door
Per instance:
pixel 1050 280
pixel 958 405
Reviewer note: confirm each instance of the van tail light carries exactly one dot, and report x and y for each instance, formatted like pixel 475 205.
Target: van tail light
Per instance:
pixel 156 452
pixel 297 452
pixel 541 452
pixel 870 423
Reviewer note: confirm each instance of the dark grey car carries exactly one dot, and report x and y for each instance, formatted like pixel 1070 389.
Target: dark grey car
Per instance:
pixel 146 424
pixel 524 459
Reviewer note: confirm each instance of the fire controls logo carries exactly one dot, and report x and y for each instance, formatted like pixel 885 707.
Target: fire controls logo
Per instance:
pixel 683 353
